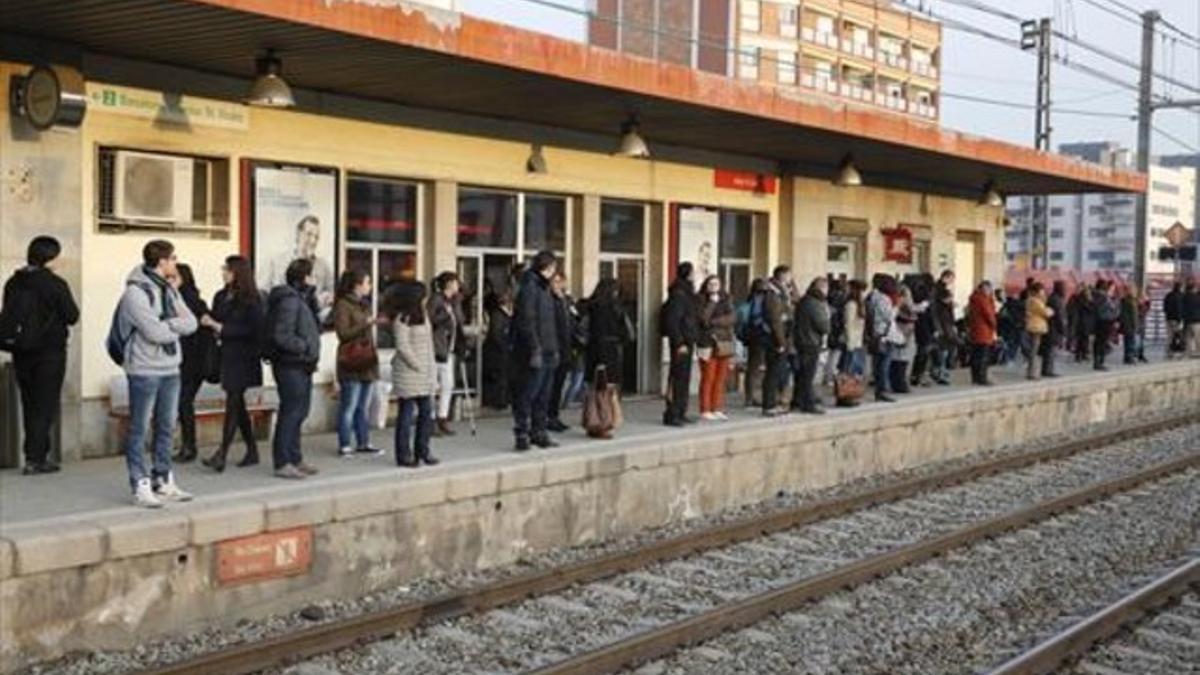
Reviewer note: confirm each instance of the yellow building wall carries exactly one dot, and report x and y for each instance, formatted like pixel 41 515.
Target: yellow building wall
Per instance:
pixel 352 146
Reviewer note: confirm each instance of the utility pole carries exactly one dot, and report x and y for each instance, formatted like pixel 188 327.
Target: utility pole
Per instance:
pixel 1036 35
pixel 1145 124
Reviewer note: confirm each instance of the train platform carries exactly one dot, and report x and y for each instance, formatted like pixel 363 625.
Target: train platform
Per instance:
pixel 81 568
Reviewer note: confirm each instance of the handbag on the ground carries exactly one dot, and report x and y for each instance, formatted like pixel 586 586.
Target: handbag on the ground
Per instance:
pixel 848 389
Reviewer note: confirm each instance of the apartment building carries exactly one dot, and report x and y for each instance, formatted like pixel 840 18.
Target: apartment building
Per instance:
pixel 866 51
pixel 1096 232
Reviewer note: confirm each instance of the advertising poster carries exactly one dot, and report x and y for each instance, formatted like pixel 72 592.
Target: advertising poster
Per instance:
pixel 295 216
pixel 698 232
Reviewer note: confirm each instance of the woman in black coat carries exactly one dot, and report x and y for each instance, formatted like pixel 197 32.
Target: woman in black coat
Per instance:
pixel 238 318
pixel 496 350
pixel 195 352
pixel 607 332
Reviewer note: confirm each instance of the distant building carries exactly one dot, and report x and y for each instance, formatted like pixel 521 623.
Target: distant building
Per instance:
pixel 1095 232
pixel 694 33
pixel 867 51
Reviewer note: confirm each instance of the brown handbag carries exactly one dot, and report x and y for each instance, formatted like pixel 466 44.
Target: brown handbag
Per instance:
pixel 848 389
pixel 357 356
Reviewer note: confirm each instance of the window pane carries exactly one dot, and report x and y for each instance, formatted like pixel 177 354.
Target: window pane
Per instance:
pixel 737 280
pixel 737 234
pixel 487 219
pixel 381 211
pixel 622 227
pixel 360 259
pixel 545 223
pixel 394 266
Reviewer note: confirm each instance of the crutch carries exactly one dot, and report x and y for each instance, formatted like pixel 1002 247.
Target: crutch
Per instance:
pixel 468 403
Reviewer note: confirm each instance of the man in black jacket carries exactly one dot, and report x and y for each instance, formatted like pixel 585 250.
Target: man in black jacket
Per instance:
pixel 810 327
pixel 295 347
pixel 942 312
pixel 46 309
pixel 777 325
pixel 535 351
pixel 1173 312
pixel 1057 302
pixel 1191 318
pixel 564 319
pixel 681 326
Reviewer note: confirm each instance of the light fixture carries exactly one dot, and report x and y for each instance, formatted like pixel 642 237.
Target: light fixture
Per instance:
pixel 847 174
pixel 269 89
pixel 991 197
pixel 536 162
pixel 632 144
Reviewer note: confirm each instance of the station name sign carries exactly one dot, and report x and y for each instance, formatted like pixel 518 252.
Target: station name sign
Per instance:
pixel 747 181
pixel 167 108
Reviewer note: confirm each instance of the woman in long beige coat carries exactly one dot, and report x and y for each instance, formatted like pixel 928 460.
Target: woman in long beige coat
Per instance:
pixel 414 372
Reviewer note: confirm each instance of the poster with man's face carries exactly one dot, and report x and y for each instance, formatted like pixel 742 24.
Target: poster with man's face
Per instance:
pixel 698 232
pixel 295 216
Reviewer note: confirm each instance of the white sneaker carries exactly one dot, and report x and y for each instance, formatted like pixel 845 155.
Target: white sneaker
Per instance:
pixel 169 491
pixel 721 416
pixel 144 496
pixel 346 452
pixel 711 417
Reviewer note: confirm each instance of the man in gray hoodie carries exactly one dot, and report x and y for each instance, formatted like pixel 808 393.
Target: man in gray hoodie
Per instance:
pixel 154 316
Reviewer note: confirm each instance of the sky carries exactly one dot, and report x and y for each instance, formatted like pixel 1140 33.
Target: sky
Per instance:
pixel 979 67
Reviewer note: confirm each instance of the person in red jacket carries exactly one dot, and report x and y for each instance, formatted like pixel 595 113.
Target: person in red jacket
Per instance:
pixel 981 330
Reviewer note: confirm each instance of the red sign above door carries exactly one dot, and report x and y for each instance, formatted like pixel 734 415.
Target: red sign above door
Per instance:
pixel 747 181
pixel 897 245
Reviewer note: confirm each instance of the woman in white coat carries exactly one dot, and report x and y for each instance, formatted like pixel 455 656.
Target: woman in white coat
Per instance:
pixel 414 372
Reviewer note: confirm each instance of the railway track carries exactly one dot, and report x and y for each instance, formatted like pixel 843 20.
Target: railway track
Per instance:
pixel 627 608
pixel 1154 629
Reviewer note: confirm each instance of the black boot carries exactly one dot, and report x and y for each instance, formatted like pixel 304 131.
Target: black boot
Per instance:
pixel 250 458
pixel 428 458
pixel 216 461
pixel 186 454
pixel 406 458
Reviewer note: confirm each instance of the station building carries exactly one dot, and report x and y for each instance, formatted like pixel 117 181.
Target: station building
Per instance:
pixel 424 140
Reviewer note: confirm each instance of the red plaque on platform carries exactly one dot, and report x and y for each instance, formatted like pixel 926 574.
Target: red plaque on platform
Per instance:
pixel 264 556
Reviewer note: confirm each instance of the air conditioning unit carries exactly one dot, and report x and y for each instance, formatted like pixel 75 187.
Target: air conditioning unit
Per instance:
pixel 152 187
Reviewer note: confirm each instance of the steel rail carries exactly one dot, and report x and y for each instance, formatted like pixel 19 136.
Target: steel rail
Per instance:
pixel 658 642
pixel 307 643
pixel 1079 639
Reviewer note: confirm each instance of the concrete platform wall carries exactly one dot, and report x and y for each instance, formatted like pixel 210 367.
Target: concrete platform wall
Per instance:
pixel 122 579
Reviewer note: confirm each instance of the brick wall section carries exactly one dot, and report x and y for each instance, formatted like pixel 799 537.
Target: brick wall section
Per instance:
pixel 637 19
pixel 675 21
pixel 602 25
pixel 714 56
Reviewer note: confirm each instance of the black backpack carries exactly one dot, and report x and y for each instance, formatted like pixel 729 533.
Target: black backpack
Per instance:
pixel 23 320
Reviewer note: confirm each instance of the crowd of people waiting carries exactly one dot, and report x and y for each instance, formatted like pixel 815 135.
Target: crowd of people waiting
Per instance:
pixel 540 347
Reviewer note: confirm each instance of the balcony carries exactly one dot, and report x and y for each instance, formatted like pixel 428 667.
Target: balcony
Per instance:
pixel 925 69
pixel 857 92
pixel 822 38
pixel 787 30
pixel 893 60
pixel 922 109
pixel 822 83
pixel 891 102
pixel 863 49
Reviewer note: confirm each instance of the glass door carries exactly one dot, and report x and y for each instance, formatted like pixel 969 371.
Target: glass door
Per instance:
pixel 484 276
pixel 630 276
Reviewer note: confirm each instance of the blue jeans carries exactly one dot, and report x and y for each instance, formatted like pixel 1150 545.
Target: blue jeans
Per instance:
pixel 423 405
pixel 157 396
pixel 294 385
pixel 532 401
pixel 353 397
pixel 853 362
pixel 881 365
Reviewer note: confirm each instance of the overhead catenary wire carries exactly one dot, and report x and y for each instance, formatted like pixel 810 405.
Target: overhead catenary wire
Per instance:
pixel 1026 106
pixel 1176 140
